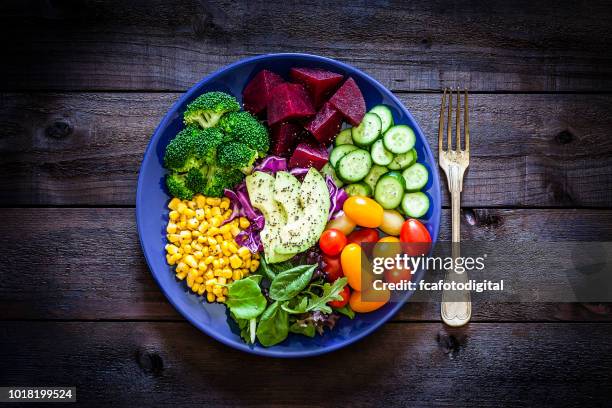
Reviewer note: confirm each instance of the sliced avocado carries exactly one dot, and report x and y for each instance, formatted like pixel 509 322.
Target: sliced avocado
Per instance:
pixel 287 194
pixel 300 234
pixel 260 186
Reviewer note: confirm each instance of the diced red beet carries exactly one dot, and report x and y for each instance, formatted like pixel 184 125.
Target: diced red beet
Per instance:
pixel 284 137
pixel 306 155
pixel 256 94
pixel 289 101
pixel 349 101
pixel 326 124
pixel 319 82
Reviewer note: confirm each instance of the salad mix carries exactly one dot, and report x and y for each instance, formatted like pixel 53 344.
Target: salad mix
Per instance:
pixel 272 202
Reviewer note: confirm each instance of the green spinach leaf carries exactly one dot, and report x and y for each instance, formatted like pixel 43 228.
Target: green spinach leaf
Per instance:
pixel 346 310
pixel 273 326
pixel 301 327
pixel 287 284
pixel 245 300
pixel 265 269
pixel 296 305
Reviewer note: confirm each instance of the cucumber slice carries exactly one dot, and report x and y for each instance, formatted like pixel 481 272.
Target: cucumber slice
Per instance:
pixel 354 166
pixel 372 178
pixel 399 139
pixel 389 190
pixel 380 155
pixel 328 170
pixel 416 177
pixel 402 161
pixel 358 189
pixel 344 137
pixel 339 152
pixel 415 204
pixel 368 130
pixel 385 115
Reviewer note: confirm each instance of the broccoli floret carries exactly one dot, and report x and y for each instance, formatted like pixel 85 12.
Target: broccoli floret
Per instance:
pixel 196 179
pixel 191 148
pixel 207 109
pixel 243 127
pixel 177 187
pixel 237 155
pixel 219 179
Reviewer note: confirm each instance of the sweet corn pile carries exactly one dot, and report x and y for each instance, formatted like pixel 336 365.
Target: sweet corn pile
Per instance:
pixel 204 251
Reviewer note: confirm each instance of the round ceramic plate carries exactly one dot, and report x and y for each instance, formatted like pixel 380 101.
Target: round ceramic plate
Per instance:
pixel 152 212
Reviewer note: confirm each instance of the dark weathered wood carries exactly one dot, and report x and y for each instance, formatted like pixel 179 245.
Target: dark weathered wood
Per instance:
pixel 417 45
pixel 528 150
pixel 87 264
pixel 172 364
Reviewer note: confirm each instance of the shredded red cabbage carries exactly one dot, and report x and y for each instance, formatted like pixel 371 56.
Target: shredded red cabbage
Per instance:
pixel 250 238
pixel 272 164
pixel 337 197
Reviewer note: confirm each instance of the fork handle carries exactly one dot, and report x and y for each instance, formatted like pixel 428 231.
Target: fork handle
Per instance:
pixel 458 311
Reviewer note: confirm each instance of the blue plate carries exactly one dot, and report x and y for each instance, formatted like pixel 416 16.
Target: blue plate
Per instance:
pixel 152 213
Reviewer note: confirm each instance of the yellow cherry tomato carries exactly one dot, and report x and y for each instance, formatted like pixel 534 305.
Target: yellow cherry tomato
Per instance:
pixel 350 259
pixel 387 247
pixel 360 306
pixel 364 211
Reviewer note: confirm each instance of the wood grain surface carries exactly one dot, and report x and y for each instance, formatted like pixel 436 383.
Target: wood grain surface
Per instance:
pixel 417 45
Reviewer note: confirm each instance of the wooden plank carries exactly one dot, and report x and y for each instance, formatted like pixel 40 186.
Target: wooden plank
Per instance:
pixel 87 264
pixel 427 364
pixel 528 150
pixel 418 45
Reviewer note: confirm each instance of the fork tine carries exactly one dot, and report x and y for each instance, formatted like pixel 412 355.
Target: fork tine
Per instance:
pixel 458 115
pixel 466 126
pixel 441 123
pixel 449 126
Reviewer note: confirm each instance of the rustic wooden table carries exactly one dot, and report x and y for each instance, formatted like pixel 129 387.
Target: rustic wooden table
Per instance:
pixel 85 83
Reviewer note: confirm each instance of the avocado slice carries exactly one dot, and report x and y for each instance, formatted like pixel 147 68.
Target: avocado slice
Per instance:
pixel 260 186
pixel 287 194
pixel 303 229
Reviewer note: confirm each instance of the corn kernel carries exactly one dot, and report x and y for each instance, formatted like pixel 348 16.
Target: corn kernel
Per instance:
pixel 216 264
pixel 221 280
pixel 210 297
pixel 227 273
pixel 181 266
pixel 207 212
pixel 171 249
pixel 202 266
pixel 192 223
pixel 173 204
pixel 199 279
pixel 204 249
pixel 221 299
pixel 196 246
pixel 171 228
pixel 203 227
pixel 217 289
pixel 186 248
pixel 170 259
pixel 225 203
pixel 219 239
pixel 185 235
pixel 202 239
pixel 244 252
pixel 235 261
pixel 254 265
pixel 216 211
pixel 189 213
pixel 218 272
pixel 209 274
pixel 190 279
pixel 224 291
pixel 235 230
pixel 244 223
pixel 201 290
pixel 174 238
pixel 208 260
pixel 196 234
pixel 173 215
pixel 236 275
pixel 247 263
pixel 191 204
pixel 227 214
pixel 212 241
pixel 198 255
pixel 215 250
pixel 181 207
pixel 200 214
pixel 200 201
pixel 181 275
pixel 212 231
pixel 190 260
pixel 195 287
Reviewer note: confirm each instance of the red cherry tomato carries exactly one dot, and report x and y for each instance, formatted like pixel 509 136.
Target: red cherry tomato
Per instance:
pixel 346 294
pixel 397 275
pixel 363 235
pixel 332 267
pixel 332 242
pixel 415 233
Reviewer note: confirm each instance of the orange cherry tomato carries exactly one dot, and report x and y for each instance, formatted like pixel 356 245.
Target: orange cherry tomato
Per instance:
pixel 350 259
pixel 387 247
pixel 360 306
pixel 364 211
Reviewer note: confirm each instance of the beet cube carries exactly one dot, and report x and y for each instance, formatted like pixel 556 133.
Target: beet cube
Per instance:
pixel 284 137
pixel 256 94
pixel 319 82
pixel 326 124
pixel 306 155
pixel 289 101
pixel 349 101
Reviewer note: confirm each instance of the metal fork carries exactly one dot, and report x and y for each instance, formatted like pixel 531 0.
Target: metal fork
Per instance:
pixel 456 309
